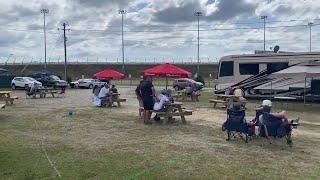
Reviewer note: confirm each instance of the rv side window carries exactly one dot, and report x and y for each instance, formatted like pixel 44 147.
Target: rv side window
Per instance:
pixel 249 69
pixel 274 67
pixel 226 68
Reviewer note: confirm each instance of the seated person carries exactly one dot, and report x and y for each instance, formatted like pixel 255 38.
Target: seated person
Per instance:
pixel 160 101
pixel 104 95
pixel 32 90
pixel 114 89
pixel 235 108
pixel 159 105
pixel 239 93
pixel 192 92
pixel 96 99
pixel 278 122
pixel 266 108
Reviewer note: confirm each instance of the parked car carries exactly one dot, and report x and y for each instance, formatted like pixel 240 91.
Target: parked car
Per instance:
pixel 24 82
pixel 85 83
pixel 49 80
pixel 182 83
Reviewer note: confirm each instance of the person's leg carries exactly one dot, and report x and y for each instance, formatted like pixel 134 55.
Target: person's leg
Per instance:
pixel 147 117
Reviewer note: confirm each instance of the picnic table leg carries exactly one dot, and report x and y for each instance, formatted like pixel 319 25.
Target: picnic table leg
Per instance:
pixel 52 95
pixel 183 119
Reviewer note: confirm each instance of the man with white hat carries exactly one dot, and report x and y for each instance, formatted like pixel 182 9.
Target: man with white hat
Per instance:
pixel 266 108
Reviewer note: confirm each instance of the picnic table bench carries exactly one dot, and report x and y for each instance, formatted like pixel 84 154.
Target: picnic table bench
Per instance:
pixel 174 109
pixel 2 106
pixel 6 96
pixel 117 99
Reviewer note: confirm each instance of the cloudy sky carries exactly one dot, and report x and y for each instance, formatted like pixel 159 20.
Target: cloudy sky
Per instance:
pixel 154 30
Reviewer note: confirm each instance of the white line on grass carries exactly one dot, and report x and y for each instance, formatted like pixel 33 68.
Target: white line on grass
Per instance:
pixel 45 152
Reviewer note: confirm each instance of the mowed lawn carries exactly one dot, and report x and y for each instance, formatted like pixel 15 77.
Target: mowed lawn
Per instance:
pixel 39 140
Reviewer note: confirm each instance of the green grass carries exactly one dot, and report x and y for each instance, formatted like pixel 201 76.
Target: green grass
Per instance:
pixel 114 144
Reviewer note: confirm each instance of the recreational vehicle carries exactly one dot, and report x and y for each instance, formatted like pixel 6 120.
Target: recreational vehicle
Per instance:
pixel 236 68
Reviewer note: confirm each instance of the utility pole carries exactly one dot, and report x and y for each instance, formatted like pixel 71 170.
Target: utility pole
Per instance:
pixel 264 31
pixel 122 12
pixel 65 49
pixel 310 36
pixel 44 12
pixel 198 14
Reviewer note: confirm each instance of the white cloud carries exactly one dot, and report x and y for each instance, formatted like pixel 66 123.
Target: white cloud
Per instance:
pixel 154 28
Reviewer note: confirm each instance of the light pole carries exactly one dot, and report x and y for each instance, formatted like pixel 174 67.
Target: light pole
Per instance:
pixel 44 12
pixel 310 35
pixel 198 14
pixel 122 12
pixel 264 31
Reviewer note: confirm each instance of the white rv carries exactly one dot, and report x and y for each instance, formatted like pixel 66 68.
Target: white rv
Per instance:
pixel 236 68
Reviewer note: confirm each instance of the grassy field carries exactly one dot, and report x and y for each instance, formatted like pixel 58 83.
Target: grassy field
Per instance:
pixel 39 140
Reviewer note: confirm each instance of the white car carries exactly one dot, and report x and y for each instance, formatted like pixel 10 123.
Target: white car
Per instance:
pixel 86 83
pixel 24 82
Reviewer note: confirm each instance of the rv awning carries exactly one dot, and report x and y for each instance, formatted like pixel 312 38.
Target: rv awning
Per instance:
pixel 310 70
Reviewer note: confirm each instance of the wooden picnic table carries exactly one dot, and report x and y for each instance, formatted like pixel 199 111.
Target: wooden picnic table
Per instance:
pixel 6 96
pixel 116 98
pixel 43 91
pixel 181 94
pixel 174 109
pixel 227 100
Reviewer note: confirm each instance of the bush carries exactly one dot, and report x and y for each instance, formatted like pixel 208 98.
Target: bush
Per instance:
pixel 200 79
pixel 69 79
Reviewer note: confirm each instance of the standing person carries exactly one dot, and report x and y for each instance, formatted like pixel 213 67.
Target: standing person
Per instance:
pixel 139 98
pixel 147 94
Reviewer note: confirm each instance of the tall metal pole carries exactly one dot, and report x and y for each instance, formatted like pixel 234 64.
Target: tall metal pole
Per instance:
pixel 44 12
pixel 264 31
pixel 122 12
pixel 310 36
pixel 65 49
pixel 198 14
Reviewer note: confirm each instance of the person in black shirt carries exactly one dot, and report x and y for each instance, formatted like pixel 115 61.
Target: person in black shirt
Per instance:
pixel 147 94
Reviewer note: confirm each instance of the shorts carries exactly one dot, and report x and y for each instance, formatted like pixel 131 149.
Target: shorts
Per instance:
pixel 148 104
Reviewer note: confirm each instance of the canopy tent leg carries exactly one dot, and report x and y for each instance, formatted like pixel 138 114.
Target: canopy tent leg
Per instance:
pixel 166 83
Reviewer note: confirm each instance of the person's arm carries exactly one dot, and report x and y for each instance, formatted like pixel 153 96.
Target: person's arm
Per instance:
pixel 280 115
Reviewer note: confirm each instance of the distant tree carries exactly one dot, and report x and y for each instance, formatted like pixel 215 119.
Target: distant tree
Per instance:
pixel 199 78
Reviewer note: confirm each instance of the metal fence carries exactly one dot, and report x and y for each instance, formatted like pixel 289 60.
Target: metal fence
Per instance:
pixel 40 61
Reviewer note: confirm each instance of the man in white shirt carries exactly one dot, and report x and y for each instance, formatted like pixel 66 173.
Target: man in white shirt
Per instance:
pixel 104 95
pixel 159 105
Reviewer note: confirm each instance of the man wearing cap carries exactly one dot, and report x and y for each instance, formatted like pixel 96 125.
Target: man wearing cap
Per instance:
pixel 267 106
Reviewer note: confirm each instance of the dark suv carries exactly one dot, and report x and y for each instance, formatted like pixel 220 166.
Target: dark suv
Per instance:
pixel 50 80
pixel 182 83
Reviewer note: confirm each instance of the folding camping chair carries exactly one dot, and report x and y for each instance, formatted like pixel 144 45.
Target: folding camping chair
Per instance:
pixel 236 124
pixel 274 127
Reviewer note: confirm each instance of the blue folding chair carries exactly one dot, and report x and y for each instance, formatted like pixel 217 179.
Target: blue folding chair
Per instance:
pixel 236 124
pixel 274 127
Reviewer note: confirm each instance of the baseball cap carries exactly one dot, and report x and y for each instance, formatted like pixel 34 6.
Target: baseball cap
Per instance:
pixel 266 103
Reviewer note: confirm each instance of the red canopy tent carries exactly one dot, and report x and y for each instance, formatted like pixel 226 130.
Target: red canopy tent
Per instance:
pixel 165 71
pixel 108 74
